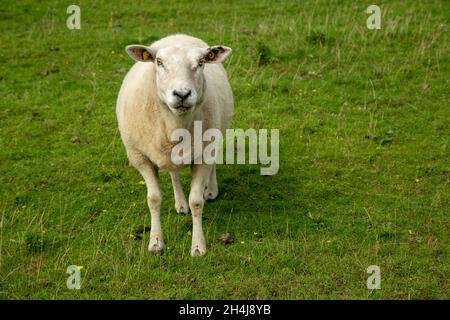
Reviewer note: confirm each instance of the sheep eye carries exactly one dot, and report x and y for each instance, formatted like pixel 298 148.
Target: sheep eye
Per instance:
pixel 201 62
pixel 158 62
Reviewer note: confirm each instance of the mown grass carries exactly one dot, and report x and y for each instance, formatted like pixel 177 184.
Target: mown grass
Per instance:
pixel 364 174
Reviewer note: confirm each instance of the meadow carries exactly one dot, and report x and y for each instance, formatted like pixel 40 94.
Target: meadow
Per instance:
pixel 364 122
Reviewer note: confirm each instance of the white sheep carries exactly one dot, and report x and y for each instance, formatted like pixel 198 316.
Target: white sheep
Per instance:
pixel 176 81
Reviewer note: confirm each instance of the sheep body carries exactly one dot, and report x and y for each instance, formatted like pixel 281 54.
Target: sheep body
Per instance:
pixel 145 124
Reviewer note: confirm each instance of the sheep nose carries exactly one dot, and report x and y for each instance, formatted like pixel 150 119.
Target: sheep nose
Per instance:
pixel 182 94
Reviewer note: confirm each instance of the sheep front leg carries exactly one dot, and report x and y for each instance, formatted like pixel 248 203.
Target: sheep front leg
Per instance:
pixel 181 205
pixel 200 175
pixel 154 197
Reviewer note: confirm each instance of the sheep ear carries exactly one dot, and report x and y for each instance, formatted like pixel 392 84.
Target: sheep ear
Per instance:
pixel 140 53
pixel 217 54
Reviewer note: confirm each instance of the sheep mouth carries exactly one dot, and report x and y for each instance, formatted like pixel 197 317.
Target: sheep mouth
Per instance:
pixel 182 108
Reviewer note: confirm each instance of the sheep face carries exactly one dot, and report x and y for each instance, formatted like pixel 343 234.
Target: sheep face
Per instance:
pixel 180 80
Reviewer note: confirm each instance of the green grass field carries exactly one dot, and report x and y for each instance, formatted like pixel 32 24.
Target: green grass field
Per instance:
pixel 364 123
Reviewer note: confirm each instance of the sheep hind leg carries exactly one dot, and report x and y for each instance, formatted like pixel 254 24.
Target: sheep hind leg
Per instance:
pixel 212 189
pixel 181 204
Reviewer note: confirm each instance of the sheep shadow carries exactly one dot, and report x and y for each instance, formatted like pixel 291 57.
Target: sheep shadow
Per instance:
pixel 243 188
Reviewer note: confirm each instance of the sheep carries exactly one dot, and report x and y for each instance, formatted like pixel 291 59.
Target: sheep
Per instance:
pixel 176 80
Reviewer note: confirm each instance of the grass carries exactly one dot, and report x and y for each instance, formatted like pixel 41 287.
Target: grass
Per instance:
pixel 364 153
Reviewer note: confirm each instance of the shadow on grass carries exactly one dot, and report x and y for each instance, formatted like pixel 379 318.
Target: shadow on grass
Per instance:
pixel 246 187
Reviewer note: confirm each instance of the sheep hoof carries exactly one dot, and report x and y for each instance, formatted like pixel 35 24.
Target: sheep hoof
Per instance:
pixel 182 208
pixel 155 246
pixel 210 195
pixel 198 252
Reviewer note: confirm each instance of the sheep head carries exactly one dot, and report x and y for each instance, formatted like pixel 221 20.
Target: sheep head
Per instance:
pixel 180 80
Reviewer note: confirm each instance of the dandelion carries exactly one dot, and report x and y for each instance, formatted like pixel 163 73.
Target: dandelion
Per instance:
pixel 328 241
pixel 242 242
pixel 80 267
pixel 417 180
pixel 142 182
pixel 410 232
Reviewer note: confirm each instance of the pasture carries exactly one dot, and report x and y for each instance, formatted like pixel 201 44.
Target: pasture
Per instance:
pixel 364 124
